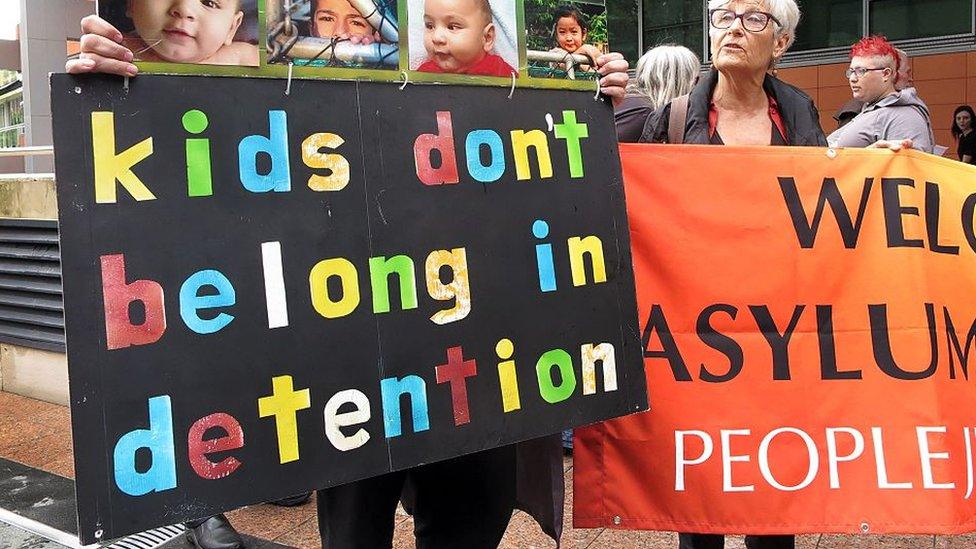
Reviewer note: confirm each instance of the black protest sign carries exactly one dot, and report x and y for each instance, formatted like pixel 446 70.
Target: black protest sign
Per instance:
pixel 268 293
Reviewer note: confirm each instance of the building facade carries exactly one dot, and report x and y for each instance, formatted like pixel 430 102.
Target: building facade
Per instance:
pixel 939 35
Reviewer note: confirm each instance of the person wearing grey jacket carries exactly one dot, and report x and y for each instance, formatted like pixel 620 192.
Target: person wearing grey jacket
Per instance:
pixel 888 114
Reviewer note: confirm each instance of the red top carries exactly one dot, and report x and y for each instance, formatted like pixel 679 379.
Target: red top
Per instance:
pixel 491 65
pixel 773 115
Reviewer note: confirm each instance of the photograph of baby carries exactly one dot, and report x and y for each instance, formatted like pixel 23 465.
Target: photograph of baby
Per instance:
pixel 473 37
pixel 359 34
pixel 564 39
pixel 210 32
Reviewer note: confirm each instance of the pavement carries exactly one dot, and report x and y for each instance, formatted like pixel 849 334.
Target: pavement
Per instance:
pixel 36 483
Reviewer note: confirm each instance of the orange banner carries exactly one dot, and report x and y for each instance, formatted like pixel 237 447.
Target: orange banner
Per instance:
pixel 809 329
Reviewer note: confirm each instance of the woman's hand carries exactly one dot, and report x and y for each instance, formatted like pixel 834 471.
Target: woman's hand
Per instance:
pixel 895 145
pixel 101 50
pixel 613 70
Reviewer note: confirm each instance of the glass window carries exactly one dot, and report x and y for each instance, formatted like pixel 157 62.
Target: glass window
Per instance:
pixel 18 111
pixel 829 23
pixel 674 21
pixel 903 19
pixel 622 28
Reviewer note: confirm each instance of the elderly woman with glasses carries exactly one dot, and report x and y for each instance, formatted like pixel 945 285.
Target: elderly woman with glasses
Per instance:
pixel 739 102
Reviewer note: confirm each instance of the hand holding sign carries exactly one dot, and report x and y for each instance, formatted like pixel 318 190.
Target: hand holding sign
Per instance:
pixel 101 50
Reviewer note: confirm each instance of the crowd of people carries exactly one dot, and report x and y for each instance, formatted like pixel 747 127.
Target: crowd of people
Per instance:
pixel 468 501
pixel 885 109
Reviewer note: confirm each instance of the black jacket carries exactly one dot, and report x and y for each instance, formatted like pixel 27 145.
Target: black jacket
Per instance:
pixel 799 114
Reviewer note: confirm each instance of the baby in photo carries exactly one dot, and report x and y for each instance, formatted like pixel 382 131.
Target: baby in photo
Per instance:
pixel 459 37
pixel 188 31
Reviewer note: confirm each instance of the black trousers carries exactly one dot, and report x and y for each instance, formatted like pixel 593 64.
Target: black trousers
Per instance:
pixel 190 524
pixel 462 503
pixel 717 541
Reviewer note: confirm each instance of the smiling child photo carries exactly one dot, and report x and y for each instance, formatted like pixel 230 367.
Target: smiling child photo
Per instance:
pixel 563 41
pixel 212 32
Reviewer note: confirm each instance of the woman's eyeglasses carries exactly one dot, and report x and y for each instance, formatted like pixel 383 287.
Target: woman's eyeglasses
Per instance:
pixel 752 21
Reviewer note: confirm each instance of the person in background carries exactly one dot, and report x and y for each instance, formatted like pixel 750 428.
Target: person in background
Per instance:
pixel 905 78
pixel 905 81
pixel 663 73
pixel 962 130
pixel 892 117
pixel 847 112
pixel 738 102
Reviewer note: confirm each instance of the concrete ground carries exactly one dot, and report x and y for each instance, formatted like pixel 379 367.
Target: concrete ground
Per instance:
pixel 38 434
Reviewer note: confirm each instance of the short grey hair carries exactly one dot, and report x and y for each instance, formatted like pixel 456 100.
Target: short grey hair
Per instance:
pixel 663 73
pixel 904 78
pixel 787 12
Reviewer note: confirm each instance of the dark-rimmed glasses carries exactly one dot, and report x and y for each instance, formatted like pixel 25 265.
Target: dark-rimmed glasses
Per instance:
pixel 861 71
pixel 752 21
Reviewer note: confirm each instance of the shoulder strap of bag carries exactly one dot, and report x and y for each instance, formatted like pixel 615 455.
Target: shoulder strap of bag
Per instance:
pixel 676 120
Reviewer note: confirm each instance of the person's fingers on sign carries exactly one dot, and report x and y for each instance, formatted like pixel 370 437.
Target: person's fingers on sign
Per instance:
pixel 613 70
pixel 894 145
pixel 101 50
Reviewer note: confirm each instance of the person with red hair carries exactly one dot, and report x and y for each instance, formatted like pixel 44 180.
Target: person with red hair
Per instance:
pixel 890 118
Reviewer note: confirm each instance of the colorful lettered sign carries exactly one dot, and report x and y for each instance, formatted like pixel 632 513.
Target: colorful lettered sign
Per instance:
pixel 268 293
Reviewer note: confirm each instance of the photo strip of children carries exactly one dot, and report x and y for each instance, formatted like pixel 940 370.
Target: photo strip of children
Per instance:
pixel 207 32
pixel 357 34
pixel 471 37
pixel 563 41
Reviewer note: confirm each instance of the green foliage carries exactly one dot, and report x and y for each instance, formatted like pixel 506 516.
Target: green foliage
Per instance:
pixel 598 29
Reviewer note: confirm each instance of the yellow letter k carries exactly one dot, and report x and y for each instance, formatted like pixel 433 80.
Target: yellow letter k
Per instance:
pixel 110 166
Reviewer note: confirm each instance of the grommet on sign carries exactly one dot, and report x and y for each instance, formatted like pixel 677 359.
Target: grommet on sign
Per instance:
pixel 617 520
pixel 865 528
pixel 831 153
